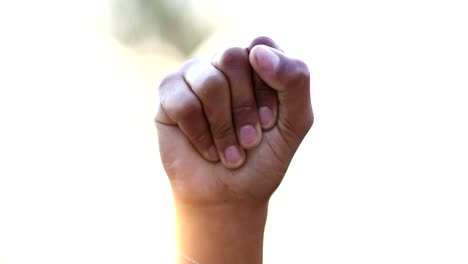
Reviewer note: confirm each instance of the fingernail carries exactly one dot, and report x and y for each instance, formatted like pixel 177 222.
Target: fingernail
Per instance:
pixel 232 155
pixel 248 136
pixel 266 116
pixel 267 59
pixel 213 153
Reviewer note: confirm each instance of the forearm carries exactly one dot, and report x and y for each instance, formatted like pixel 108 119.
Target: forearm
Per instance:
pixel 220 234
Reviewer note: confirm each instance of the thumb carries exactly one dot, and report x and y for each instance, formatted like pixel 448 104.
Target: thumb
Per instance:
pixel 291 79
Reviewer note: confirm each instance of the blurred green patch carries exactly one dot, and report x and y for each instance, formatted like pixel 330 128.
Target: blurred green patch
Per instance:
pixel 171 22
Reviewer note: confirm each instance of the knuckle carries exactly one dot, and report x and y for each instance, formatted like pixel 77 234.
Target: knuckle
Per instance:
pixel 184 107
pixel 205 80
pixel 232 57
pixel 302 67
pixel 212 84
pixel 244 109
pixel 214 80
pixel 223 131
pixel 190 63
pixel 202 137
pixel 299 74
pixel 168 79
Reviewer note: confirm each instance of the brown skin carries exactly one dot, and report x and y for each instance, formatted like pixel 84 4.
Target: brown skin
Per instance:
pixel 224 154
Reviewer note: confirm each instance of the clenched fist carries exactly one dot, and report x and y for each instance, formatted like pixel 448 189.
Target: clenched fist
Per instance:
pixel 229 127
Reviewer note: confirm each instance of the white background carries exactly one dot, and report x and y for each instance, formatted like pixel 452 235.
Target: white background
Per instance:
pixel 381 177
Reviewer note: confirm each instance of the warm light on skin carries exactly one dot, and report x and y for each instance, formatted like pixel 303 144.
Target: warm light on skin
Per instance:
pixel 381 176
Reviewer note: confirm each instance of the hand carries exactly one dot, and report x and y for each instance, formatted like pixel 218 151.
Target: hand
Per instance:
pixel 228 128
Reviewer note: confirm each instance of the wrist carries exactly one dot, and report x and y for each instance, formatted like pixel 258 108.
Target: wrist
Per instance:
pixel 221 233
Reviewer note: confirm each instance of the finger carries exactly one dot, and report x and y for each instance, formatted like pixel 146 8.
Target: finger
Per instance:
pixel 179 106
pixel 267 101
pixel 212 88
pixel 266 97
pixel 291 79
pixel 235 65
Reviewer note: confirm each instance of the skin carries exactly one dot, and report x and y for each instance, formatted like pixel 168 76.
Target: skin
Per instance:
pixel 228 128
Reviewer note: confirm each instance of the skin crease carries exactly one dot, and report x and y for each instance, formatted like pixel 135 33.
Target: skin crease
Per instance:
pixel 203 107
